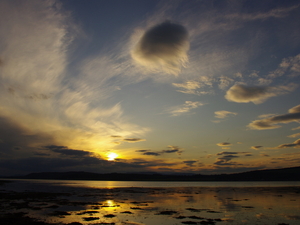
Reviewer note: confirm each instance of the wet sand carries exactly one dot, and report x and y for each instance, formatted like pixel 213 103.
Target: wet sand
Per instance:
pixel 55 204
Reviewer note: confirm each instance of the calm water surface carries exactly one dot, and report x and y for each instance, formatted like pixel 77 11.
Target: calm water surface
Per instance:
pixel 154 203
pixel 114 184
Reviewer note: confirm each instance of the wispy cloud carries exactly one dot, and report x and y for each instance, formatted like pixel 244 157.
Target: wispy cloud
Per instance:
pixel 223 114
pixel 273 13
pixel 256 147
pixel 224 82
pixel 188 86
pixel 199 86
pixel 296 128
pixel 40 94
pixel 185 108
pixel 273 121
pixel 289 66
pixel 294 135
pixel 295 144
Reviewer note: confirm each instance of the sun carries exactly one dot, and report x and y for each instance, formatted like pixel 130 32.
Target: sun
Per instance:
pixel 112 156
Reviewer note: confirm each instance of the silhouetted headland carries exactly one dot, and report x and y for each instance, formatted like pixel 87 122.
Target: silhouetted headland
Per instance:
pixel 285 174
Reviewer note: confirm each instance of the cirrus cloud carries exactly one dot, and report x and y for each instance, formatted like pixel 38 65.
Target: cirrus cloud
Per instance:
pixel 185 108
pixel 223 114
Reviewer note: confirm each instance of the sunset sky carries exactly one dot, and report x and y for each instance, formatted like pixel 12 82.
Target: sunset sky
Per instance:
pixel 198 86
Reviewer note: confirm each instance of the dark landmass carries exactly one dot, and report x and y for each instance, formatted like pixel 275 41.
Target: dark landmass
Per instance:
pixel 286 174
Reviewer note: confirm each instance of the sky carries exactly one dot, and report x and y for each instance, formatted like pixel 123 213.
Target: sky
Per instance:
pixel 199 86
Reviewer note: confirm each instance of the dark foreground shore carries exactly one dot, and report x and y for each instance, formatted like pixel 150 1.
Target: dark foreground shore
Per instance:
pixel 53 204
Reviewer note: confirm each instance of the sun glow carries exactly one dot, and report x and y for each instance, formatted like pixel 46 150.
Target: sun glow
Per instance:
pixel 112 156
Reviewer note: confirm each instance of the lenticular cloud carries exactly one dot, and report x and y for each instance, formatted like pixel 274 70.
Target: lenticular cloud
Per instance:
pixel 163 48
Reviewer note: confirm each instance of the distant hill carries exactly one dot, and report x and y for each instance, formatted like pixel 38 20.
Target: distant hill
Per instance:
pixel 286 174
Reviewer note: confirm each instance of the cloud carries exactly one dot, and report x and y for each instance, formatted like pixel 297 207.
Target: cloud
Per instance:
pixel 287 159
pixel 273 13
pixel 226 157
pixel 256 147
pixel 64 150
pixel 142 150
pixel 133 139
pixel 116 136
pixel 84 163
pixel 75 160
pixel 266 115
pixel 290 66
pixel 264 81
pixel 226 160
pixel 193 86
pixel 273 121
pixel 224 144
pixel 189 85
pixel 151 153
pixel 43 91
pixel 172 149
pixel 223 114
pixel 296 128
pixel 243 94
pixel 185 108
pixel 295 144
pixel 226 153
pixel 224 82
pixel 295 109
pixel 163 48
pixel 17 138
pixel 294 135
pixel 190 162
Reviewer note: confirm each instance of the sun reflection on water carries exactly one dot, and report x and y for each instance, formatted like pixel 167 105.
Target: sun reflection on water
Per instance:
pixel 109 203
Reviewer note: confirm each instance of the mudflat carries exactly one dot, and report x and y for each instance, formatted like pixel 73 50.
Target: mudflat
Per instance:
pixel 54 204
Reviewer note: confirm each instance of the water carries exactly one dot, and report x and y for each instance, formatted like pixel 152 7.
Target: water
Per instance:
pixel 147 203
pixel 116 184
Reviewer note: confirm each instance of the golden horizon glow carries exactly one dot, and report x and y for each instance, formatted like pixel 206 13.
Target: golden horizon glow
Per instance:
pixel 112 156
